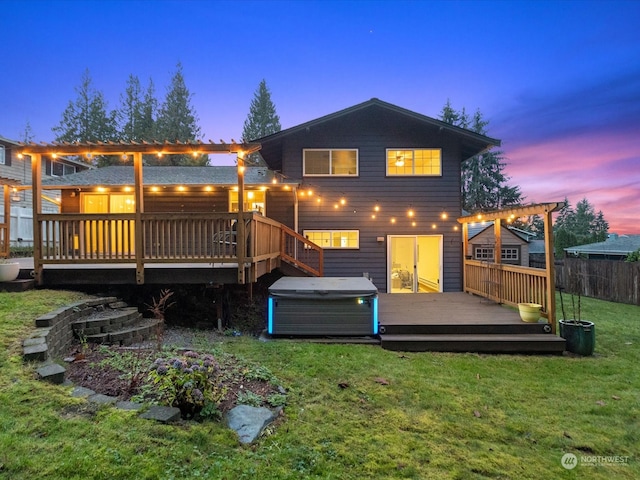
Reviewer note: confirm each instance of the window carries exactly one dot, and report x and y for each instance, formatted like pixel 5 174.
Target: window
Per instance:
pixel 334 238
pixel 60 169
pixel 320 162
pixel 2 155
pixel 509 254
pixel 425 161
pixel 254 201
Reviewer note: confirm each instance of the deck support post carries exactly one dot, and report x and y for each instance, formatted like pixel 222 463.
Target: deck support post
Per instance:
pixel 241 247
pixel 550 269
pixel 139 204
pixel 7 222
pixel 36 189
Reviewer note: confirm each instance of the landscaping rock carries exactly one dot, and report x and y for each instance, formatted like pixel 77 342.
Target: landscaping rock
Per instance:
pixel 82 392
pixel 53 373
pixel 102 399
pixel 162 414
pixel 248 422
pixel 127 405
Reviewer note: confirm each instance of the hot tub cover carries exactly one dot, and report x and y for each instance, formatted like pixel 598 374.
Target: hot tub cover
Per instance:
pixel 324 287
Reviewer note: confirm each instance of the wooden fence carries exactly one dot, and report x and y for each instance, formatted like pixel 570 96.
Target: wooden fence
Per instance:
pixel 612 280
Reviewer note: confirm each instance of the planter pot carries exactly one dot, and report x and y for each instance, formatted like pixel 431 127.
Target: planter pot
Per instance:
pixel 9 271
pixel 529 312
pixel 580 336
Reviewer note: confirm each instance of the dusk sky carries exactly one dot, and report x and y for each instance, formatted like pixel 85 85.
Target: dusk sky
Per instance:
pixel 559 81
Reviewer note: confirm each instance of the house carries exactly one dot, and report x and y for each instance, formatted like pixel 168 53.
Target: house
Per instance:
pixel 372 190
pixel 615 247
pixel 379 192
pixel 514 249
pixel 16 170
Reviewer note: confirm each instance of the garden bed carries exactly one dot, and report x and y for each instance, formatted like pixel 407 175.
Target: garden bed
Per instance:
pixel 125 372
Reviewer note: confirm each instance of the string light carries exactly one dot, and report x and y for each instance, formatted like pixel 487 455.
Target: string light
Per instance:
pixel 343 201
pixel 410 213
pixel 444 215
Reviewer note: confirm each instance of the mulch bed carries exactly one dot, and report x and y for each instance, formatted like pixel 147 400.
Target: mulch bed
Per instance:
pixel 90 368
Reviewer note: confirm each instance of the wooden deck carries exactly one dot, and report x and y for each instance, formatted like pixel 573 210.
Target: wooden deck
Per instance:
pixel 459 322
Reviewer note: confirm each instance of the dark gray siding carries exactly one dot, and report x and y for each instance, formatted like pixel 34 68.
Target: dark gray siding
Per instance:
pixel 372 134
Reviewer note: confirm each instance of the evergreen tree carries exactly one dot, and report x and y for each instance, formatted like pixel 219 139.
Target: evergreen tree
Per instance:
pixel 578 227
pixel 136 115
pixel 261 121
pixel 484 184
pixel 26 135
pixel 86 119
pixel 177 121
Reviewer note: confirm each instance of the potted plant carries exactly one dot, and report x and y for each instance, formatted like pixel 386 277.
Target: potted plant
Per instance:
pixel 580 335
pixel 9 270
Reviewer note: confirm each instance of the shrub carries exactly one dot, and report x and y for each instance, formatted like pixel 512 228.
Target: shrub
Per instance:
pixel 189 382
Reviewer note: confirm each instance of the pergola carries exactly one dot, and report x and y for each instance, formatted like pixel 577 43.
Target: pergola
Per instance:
pixel 516 284
pixel 135 150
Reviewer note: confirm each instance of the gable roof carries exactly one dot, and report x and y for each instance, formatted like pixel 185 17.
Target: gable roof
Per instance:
pixel 614 245
pixel 478 229
pixel 169 175
pixel 472 143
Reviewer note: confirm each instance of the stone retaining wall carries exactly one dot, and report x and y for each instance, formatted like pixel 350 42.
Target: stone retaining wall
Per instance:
pixel 53 335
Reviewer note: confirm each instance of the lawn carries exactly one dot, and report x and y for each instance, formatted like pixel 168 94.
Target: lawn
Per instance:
pixel 353 412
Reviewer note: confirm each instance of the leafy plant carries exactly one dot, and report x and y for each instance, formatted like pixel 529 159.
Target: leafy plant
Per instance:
pixel 633 256
pixel 277 400
pixel 189 381
pixel 247 397
pixel 259 372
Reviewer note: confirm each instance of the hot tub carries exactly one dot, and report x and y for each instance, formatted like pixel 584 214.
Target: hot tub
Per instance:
pixel 325 306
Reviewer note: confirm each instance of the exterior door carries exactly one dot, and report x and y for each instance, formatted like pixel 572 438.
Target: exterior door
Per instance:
pixel 414 264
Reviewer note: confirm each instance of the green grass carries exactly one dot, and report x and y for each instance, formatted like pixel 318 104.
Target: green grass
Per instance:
pixel 441 416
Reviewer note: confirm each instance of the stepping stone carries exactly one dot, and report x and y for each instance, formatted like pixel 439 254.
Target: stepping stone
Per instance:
pixel 127 405
pixel 53 373
pixel 82 392
pixel 162 414
pixel 102 399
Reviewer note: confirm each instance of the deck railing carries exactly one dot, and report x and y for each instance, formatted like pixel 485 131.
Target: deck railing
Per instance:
pixel 509 284
pixel 172 238
pixel 4 240
pixel 301 252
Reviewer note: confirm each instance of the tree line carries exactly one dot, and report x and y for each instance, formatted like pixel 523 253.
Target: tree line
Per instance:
pixel 140 116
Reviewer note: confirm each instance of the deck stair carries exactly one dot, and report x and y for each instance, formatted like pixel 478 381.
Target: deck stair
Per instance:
pixel 485 338
pixel 115 324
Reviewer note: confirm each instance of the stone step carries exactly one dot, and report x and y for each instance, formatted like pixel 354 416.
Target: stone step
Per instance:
pixel 144 329
pixel 487 343
pixel 106 321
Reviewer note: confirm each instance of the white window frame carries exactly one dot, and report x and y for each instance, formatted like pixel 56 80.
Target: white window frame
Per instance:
pixel 331 233
pixel 413 152
pixel 330 150
pixel 510 254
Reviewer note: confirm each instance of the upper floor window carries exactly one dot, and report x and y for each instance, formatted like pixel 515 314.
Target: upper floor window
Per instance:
pixel 61 169
pixel 2 155
pixel 423 161
pixel 337 162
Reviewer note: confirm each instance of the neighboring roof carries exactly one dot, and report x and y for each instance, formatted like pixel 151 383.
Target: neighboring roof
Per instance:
pixel 472 143
pixel 6 140
pixel 476 229
pixel 536 246
pixel 614 245
pixel 124 175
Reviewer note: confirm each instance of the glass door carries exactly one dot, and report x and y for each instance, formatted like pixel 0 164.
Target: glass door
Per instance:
pixel 415 264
